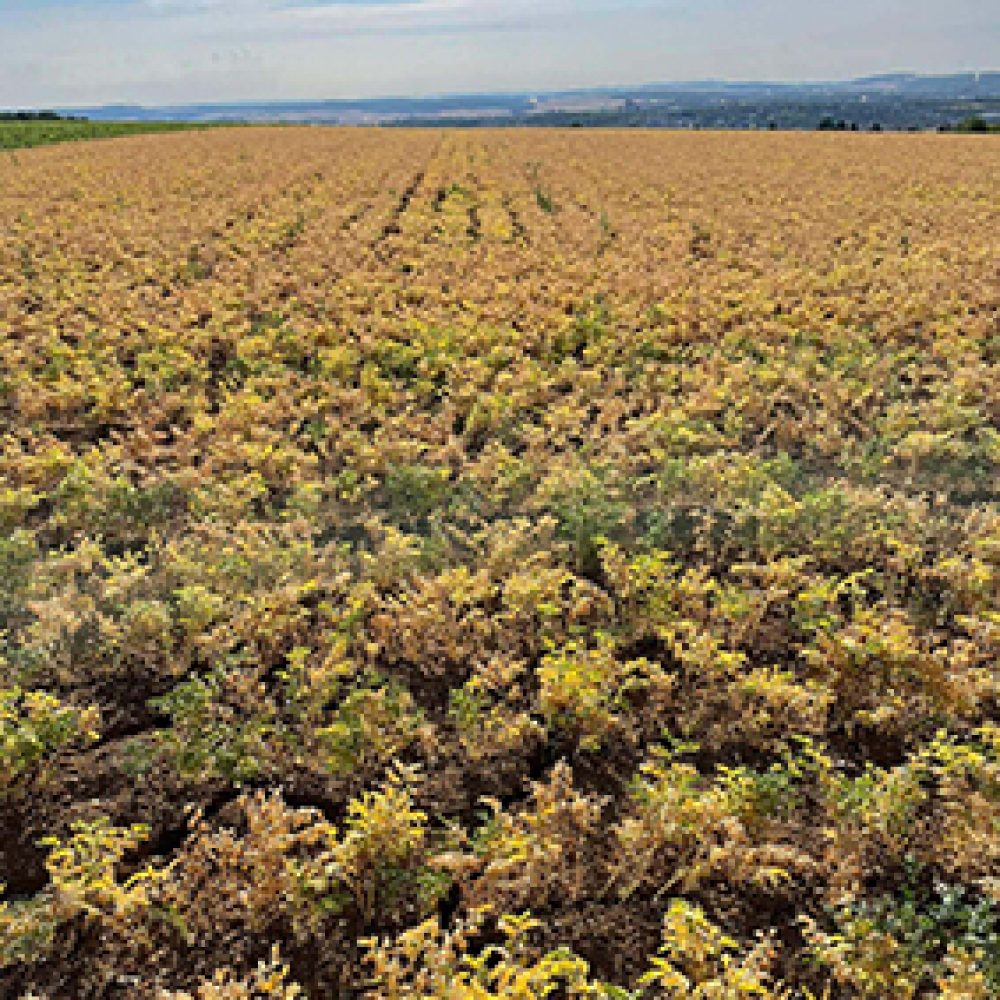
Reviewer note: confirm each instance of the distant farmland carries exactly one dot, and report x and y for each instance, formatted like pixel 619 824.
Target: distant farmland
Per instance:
pixel 478 564
pixel 25 134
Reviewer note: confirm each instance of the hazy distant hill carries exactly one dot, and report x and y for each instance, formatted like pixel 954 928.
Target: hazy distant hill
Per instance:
pixel 894 100
pixel 957 85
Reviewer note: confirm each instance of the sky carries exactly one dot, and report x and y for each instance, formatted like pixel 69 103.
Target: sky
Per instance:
pixel 59 53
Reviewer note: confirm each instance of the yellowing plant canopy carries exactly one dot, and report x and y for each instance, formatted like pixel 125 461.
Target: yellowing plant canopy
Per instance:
pixel 441 564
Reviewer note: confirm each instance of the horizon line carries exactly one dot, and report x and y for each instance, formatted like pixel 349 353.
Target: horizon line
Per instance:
pixel 527 92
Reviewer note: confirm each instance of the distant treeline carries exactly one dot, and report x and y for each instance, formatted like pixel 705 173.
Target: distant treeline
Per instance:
pixel 879 113
pixel 974 123
pixel 38 116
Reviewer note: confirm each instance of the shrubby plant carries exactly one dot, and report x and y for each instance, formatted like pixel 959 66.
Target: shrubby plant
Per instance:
pixel 473 564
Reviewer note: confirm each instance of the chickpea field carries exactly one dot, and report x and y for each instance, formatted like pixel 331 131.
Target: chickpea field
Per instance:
pixel 477 564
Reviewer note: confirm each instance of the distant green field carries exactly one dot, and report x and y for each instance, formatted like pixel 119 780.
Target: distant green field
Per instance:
pixel 21 134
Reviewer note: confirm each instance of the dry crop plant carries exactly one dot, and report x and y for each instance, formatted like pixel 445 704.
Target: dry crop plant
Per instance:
pixel 464 565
